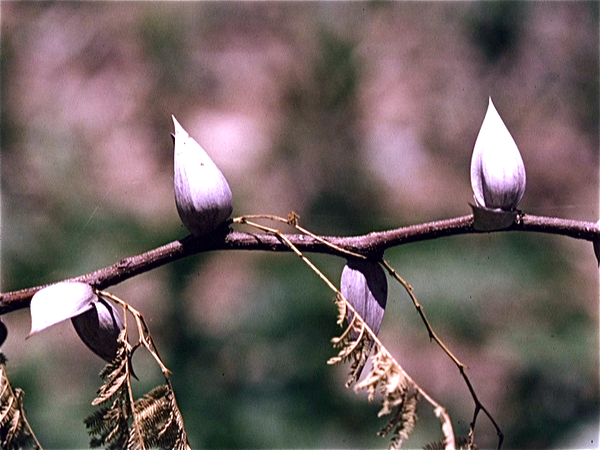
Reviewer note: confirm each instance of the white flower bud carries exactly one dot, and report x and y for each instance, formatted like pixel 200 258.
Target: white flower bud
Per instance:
pixel 99 329
pixel 202 195
pixel 364 285
pixel 3 333
pixel 597 247
pixel 96 321
pixel 497 170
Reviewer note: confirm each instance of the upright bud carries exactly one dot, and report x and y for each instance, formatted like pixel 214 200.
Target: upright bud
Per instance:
pixel 497 173
pixel 202 195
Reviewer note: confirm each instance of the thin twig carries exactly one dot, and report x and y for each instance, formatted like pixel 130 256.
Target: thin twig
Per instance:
pixel 30 430
pixel 144 336
pixel 432 334
pixel 292 247
pixel 136 422
pixel 292 221
pixel 461 367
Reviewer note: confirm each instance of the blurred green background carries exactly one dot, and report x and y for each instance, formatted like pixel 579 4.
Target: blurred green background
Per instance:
pixel 359 117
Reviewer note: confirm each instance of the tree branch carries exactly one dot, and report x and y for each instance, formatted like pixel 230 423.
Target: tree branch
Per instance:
pixel 374 243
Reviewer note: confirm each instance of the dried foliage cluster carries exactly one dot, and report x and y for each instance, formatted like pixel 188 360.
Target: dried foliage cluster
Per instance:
pixel 15 432
pixel 123 422
pixel 151 421
pixel 386 377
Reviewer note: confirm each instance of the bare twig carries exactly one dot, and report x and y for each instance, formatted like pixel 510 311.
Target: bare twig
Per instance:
pixel 373 244
pixel 144 336
pixel 292 221
pixel 461 367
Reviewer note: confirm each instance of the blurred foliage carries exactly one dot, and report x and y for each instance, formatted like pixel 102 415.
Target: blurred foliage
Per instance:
pixel 496 27
pixel 266 379
pixel 84 84
pixel 320 142
pixel 474 303
pixel 548 401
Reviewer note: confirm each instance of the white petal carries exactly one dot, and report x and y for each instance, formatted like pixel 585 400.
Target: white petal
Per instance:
pixel 597 247
pixel 497 169
pixel 202 194
pixel 99 328
pixel 59 302
pixel 364 285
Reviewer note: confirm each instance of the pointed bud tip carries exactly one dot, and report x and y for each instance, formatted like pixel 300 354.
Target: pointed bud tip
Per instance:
pixel 202 194
pixel 179 130
pixel 491 109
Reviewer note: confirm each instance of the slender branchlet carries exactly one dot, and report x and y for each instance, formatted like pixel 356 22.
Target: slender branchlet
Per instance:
pixel 461 367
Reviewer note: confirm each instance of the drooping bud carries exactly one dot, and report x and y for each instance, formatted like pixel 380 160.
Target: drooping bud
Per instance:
pixel 3 333
pixel 497 173
pixel 202 194
pixel 99 329
pixel 95 320
pixel 59 302
pixel 364 285
pixel 597 247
